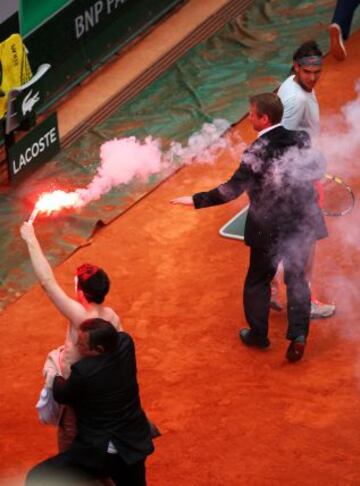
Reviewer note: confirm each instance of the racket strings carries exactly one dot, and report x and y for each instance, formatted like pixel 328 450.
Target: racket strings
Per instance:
pixel 338 198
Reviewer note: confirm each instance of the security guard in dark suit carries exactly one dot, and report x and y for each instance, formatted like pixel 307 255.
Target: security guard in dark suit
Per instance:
pixel 114 437
pixel 277 171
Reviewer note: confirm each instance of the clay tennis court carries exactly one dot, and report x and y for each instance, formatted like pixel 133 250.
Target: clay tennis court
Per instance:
pixel 229 415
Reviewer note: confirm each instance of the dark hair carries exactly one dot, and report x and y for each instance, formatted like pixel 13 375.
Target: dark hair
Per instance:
pixel 309 48
pixel 268 104
pixel 101 333
pixel 94 282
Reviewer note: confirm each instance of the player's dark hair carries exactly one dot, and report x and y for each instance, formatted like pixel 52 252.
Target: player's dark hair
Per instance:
pixel 93 282
pixel 101 333
pixel 268 104
pixel 308 48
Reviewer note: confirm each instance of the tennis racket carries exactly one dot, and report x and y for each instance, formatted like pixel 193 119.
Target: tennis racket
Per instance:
pixel 337 197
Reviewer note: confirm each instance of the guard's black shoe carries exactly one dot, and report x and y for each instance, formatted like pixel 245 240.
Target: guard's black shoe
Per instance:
pixel 249 340
pixel 296 349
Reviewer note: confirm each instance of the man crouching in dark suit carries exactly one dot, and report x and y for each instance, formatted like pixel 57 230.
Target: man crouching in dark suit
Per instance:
pixel 284 220
pixel 113 436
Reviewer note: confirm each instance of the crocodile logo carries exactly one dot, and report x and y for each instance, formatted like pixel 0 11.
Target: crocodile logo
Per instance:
pixel 29 101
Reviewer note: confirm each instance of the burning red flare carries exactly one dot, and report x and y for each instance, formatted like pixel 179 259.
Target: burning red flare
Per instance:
pixel 55 201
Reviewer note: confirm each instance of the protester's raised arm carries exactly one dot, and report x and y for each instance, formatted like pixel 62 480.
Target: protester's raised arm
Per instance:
pixel 42 269
pixel 70 308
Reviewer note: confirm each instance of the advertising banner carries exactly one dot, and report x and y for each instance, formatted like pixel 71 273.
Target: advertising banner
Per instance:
pixel 34 149
pixel 74 37
pixel 27 98
pixel 78 37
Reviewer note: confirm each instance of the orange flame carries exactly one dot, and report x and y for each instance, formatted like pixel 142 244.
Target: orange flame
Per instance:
pixel 55 201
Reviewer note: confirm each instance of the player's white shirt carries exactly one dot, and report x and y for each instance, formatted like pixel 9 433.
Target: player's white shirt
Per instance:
pixel 301 108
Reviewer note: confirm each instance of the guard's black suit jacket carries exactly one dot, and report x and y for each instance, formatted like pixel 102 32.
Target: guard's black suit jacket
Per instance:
pixel 277 171
pixel 103 391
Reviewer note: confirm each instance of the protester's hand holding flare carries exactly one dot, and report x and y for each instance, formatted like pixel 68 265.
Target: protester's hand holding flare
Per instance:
pixel 184 200
pixel 27 232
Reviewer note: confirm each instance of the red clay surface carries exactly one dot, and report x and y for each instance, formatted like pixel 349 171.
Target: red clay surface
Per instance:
pixel 229 415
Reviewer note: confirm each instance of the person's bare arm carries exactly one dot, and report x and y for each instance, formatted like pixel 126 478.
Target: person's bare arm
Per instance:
pixel 70 308
pixel 184 200
pixel 117 323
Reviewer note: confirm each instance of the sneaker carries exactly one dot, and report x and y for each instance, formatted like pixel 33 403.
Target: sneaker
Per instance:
pixel 321 311
pixel 337 47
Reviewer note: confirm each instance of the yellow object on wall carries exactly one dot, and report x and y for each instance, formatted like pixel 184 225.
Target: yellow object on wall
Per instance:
pixel 15 67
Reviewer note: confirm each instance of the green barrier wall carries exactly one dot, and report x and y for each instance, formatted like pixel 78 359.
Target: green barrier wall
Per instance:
pixel 76 36
pixel 34 12
pixel 84 33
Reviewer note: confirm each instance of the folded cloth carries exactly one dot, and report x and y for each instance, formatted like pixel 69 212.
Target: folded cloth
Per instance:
pixel 48 409
pixel 52 366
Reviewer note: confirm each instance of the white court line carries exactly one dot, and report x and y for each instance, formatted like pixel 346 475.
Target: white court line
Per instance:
pixel 223 230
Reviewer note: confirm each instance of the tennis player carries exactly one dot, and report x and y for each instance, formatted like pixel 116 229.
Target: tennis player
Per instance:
pixel 301 112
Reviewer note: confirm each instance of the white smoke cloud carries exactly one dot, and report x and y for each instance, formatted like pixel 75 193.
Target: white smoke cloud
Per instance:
pixel 125 159
pixel 128 159
pixel 339 139
pixel 121 161
pixel 204 144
